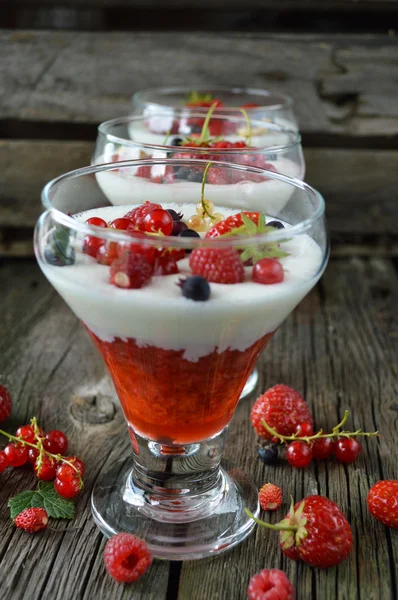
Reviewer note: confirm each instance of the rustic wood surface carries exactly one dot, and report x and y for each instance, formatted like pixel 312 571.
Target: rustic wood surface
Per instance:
pixel 341 84
pixel 339 348
pixel 286 5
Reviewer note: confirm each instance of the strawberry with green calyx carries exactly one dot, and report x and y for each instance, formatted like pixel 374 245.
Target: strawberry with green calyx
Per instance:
pixel 202 100
pixel 315 531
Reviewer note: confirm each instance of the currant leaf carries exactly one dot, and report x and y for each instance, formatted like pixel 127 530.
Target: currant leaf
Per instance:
pixel 56 506
pixel 18 503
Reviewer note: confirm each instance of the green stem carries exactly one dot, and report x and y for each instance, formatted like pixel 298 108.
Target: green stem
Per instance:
pixel 206 124
pixel 249 126
pixel 202 193
pixel 342 422
pixel 277 527
pixel 166 138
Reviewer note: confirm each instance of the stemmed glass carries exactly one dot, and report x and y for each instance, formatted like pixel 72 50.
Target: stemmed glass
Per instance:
pixel 260 104
pixel 178 346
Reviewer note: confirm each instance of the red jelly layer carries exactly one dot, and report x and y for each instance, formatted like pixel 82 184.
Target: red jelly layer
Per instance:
pixel 169 399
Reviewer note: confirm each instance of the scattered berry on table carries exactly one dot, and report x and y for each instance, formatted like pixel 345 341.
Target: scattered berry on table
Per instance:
pixel 347 450
pixel 126 557
pixel 3 461
pixel 56 442
pixel 268 455
pixel 45 470
pixel 276 224
pixel 5 403
pixel 217 265
pixel 270 584
pixel 158 220
pixel 268 271
pixel 270 496
pixel 32 519
pixel 130 272
pixel 322 448
pixel 304 429
pixel 299 454
pixel 17 454
pixel 383 502
pixel 67 489
pixel 137 215
pixel 195 288
pixel 282 408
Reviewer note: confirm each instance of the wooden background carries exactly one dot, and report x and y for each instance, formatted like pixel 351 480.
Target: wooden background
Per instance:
pixel 339 60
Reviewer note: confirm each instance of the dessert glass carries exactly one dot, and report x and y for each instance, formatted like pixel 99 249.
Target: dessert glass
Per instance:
pixel 178 364
pixel 259 103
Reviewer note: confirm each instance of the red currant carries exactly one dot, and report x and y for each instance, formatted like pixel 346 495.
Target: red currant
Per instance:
pixel 107 253
pixel 122 223
pixel 3 461
pixel 267 271
pixel 304 430
pixel 56 442
pixel 33 453
pixel 149 252
pixel 67 489
pixel 347 450
pixel 17 454
pixel 299 454
pixel 26 433
pixel 158 220
pixel 79 464
pixel 91 245
pixel 322 448
pixel 97 222
pixel 47 469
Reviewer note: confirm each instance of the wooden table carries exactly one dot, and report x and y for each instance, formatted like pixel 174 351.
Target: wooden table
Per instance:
pixel 339 348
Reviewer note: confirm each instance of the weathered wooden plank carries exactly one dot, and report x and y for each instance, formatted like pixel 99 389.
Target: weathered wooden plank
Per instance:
pixel 339 348
pixel 359 187
pixel 340 83
pixel 286 5
pixel 45 359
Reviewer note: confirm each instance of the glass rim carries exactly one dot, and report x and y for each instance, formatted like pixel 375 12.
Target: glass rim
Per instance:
pixel 285 101
pixel 175 241
pixel 126 119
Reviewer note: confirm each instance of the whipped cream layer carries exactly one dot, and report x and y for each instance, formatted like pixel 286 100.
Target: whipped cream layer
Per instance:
pixel 121 187
pixel 234 317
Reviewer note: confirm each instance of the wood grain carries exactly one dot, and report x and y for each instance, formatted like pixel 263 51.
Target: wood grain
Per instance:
pixel 341 84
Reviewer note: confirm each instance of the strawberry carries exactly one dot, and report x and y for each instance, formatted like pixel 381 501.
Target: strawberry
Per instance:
pixel 217 265
pixel 231 222
pixel 138 214
pixel 383 502
pixel 315 531
pixel 282 408
pixel 270 497
pixel 32 519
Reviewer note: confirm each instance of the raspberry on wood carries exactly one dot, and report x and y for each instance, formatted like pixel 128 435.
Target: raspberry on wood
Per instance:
pixel 126 557
pixel 270 584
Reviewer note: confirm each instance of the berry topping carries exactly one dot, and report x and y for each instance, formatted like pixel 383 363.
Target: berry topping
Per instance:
pixel 3 461
pixel 299 454
pixel 56 442
pixel 45 468
pixel 268 271
pixel 217 265
pixel 270 496
pixel 189 233
pixel 383 502
pixel 97 222
pixel 276 224
pixel 91 245
pixel 131 271
pixel 138 214
pixel 67 489
pixel 32 519
pixel 347 450
pixel 231 222
pixel 17 454
pixel 322 448
pixel 126 557
pixel 197 223
pixel 158 220
pixel 146 250
pixel 165 265
pixel 107 253
pixel 5 403
pixel 270 584
pixel 282 408
pixel 177 141
pixel 268 455
pixel 179 227
pixel 122 224
pixel 195 288
pixel 175 215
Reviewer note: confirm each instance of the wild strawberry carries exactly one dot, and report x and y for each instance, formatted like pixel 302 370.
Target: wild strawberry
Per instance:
pixel 270 497
pixel 131 271
pixel 230 223
pixel 282 408
pixel 217 265
pixel 32 519
pixel 126 557
pixel 270 584
pixel 5 403
pixel 138 214
pixel 383 502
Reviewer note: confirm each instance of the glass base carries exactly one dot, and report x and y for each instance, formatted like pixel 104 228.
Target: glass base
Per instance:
pixel 177 528
pixel 250 384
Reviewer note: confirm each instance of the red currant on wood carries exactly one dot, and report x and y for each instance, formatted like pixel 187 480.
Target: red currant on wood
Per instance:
pixel 67 489
pixel 17 454
pixel 299 454
pixel 47 468
pixel 322 448
pixel 347 450
pixel 304 430
pixel 56 442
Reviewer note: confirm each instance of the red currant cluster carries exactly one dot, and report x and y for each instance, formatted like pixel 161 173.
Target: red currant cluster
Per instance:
pixel 46 453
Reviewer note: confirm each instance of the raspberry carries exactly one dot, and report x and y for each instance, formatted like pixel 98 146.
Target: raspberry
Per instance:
pixel 126 557
pixel 130 272
pixel 270 497
pixel 231 222
pixel 5 403
pixel 32 519
pixel 217 265
pixel 282 408
pixel 270 584
pixel 138 214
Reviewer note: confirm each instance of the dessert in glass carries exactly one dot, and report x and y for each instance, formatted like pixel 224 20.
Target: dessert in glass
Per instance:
pixel 259 103
pixel 185 135
pixel 179 318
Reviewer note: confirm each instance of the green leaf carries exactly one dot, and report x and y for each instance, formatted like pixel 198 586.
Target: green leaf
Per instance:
pixel 19 502
pixel 56 507
pixel 59 251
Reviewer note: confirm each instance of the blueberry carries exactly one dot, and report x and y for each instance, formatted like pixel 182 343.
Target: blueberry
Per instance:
pixel 175 215
pixel 276 224
pixel 189 233
pixel 268 455
pixel 177 141
pixel 182 172
pixel 178 227
pixel 196 288
pixel 196 176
